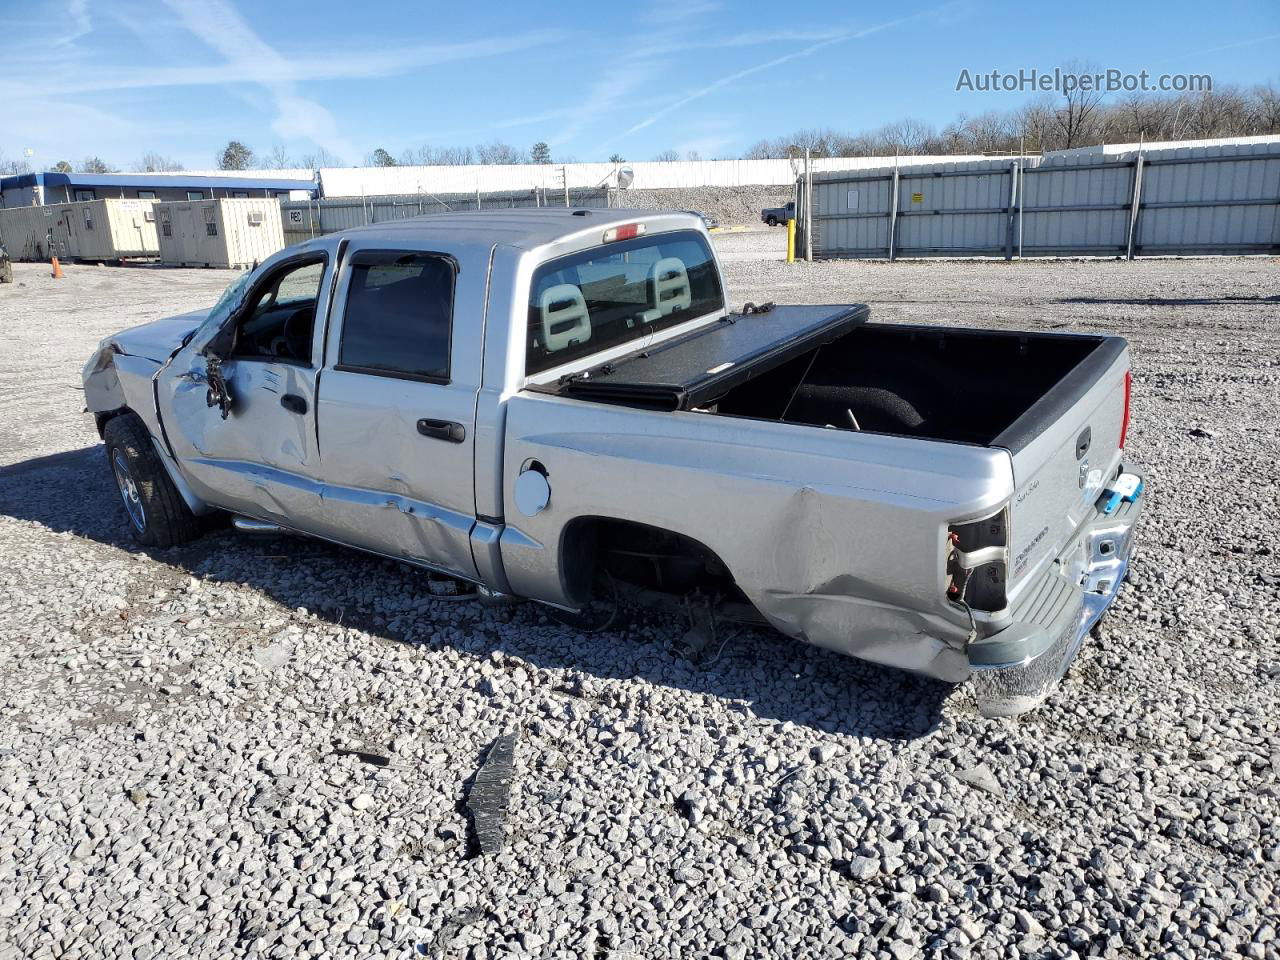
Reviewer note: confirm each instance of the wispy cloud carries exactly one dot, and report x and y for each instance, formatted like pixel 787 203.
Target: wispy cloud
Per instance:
pixel 251 59
pixel 728 79
pixel 78 19
pixel 352 65
pixel 221 27
pixel 1269 38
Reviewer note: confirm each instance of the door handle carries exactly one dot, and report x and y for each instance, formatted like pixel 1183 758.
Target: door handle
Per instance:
pixel 443 430
pixel 293 403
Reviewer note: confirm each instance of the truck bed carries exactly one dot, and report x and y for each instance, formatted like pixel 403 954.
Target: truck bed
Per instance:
pixel 827 366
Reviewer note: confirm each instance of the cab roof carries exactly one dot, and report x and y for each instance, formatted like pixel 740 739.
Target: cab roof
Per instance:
pixel 526 228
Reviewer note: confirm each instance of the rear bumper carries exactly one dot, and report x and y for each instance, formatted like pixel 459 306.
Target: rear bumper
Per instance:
pixel 1016 668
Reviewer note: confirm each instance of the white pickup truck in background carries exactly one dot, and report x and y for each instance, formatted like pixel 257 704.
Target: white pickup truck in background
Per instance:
pixel 541 402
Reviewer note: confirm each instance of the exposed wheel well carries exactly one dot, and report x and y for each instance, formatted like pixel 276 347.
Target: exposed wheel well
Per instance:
pixel 647 557
pixel 101 419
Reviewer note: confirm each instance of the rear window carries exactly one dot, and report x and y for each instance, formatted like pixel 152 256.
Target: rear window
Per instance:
pixel 398 316
pixel 605 296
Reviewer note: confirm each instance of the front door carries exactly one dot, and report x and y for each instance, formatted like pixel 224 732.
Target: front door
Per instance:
pixel 397 407
pixel 256 453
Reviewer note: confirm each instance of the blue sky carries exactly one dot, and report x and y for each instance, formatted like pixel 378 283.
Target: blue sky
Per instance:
pixel 181 77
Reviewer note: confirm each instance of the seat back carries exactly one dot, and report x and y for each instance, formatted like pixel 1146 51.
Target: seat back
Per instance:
pixel 565 319
pixel 668 288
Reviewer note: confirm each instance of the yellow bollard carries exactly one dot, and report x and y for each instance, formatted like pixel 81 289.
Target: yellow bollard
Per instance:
pixel 791 241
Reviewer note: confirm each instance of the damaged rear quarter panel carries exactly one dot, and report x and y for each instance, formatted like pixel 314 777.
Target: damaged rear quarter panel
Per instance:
pixel 838 538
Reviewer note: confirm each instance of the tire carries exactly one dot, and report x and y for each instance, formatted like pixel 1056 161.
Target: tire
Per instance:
pixel 156 513
pixel 772 221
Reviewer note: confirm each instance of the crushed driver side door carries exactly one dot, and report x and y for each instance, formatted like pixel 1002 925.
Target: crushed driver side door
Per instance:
pixel 237 403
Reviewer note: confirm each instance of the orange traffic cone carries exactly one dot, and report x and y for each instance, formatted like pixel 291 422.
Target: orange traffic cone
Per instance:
pixel 57 269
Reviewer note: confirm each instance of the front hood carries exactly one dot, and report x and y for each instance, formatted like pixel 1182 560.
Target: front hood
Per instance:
pixel 158 339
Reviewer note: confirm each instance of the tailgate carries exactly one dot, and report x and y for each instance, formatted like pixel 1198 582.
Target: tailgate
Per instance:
pixel 1065 449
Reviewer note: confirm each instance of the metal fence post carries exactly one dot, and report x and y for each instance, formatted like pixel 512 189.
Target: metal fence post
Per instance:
pixel 1022 198
pixel 893 217
pixel 1013 198
pixel 1135 204
pixel 808 209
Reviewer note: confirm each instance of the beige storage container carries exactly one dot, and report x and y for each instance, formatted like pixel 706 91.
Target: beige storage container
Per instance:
pixel 102 230
pixel 218 233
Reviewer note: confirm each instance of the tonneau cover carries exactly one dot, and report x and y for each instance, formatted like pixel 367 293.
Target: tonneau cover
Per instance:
pixel 691 370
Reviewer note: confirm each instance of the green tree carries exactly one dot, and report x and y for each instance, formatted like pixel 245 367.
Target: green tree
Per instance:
pixel 616 158
pixel 235 156
pixel 95 165
pixel 540 153
pixel 380 158
pixel 62 167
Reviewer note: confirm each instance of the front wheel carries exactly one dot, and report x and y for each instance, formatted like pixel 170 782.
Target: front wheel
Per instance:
pixel 772 221
pixel 158 516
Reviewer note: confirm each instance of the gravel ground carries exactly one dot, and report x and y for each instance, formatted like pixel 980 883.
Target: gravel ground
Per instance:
pixel 174 778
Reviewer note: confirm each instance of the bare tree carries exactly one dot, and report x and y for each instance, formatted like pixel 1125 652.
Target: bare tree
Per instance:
pixel 278 158
pixel 616 158
pixel 1037 126
pixel 1077 114
pixel 1047 123
pixel 14 167
pixel 455 156
pixel 152 162
pixel 666 156
pixel 320 158
pixel 499 152
pixel 1266 108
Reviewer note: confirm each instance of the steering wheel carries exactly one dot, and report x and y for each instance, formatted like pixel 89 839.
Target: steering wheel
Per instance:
pixel 294 340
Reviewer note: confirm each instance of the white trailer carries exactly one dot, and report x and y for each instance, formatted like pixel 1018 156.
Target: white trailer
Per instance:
pixel 103 230
pixel 233 233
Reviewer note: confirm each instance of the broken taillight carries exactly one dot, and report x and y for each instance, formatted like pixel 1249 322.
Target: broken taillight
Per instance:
pixel 977 557
pixel 624 232
pixel 1128 392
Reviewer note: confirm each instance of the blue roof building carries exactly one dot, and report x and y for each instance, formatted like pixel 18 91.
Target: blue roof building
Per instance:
pixel 35 189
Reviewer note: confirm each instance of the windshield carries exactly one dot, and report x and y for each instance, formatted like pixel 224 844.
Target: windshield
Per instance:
pixel 590 301
pixel 230 298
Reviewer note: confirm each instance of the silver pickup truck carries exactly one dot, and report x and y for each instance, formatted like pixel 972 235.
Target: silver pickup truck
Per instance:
pixel 544 402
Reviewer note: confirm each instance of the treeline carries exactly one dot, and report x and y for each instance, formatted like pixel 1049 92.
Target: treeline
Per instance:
pixel 1078 120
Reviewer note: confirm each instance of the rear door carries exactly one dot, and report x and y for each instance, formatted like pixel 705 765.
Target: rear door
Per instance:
pixel 397 403
pixel 1065 450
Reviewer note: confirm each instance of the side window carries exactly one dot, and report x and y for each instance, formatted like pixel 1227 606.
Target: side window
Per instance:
pixel 398 316
pixel 280 315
